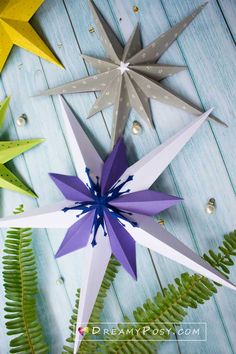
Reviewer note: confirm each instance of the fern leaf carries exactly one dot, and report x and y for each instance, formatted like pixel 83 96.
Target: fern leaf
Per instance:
pixel 20 283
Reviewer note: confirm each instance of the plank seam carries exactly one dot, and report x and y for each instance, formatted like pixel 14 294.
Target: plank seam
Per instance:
pixel 225 20
pixel 172 173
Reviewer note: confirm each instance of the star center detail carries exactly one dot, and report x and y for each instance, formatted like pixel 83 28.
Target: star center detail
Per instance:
pixel 100 202
pixel 123 67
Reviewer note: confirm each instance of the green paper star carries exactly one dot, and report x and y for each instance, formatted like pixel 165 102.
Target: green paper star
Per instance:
pixel 8 151
pixel 3 108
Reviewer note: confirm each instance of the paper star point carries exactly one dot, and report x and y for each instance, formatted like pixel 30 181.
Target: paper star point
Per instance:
pixel 129 77
pixel 15 30
pixel 3 107
pixel 8 151
pixel 108 208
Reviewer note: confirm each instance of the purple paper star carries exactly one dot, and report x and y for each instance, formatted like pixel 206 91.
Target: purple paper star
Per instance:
pixel 102 203
pixel 114 202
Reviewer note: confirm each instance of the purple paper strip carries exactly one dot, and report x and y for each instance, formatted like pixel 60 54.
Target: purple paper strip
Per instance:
pixel 145 202
pixel 71 187
pixel 114 166
pixel 77 235
pixel 122 244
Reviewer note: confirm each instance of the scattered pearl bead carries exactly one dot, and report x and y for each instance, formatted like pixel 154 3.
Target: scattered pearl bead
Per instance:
pixel 211 206
pixel 21 121
pixel 60 281
pixel 136 128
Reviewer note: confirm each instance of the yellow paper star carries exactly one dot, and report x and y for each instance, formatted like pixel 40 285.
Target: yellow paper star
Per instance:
pixel 15 29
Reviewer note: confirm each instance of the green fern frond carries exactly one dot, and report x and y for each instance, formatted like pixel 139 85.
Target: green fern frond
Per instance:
pixel 90 346
pixel 20 283
pixel 171 306
pixel 223 259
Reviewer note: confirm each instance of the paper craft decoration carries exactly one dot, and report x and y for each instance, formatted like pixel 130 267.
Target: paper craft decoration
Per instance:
pixel 3 108
pixel 108 208
pixel 129 76
pixel 8 151
pixel 15 29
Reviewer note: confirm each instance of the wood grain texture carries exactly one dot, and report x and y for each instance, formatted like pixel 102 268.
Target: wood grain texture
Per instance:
pixel 204 169
pixel 228 8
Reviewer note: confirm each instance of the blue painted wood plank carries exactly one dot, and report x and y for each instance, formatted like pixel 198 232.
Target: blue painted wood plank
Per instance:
pixel 205 59
pixel 228 8
pixel 168 125
pixel 44 256
pixel 211 63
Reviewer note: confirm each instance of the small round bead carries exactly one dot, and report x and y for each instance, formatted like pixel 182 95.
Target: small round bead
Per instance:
pixel 21 121
pixel 60 281
pixel 91 29
pixel 136 128
pixel 211 206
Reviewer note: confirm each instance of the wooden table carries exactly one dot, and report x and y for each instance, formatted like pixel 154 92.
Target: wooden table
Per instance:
pixel 204 169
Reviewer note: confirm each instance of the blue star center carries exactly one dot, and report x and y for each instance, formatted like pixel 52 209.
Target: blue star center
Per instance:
pixel 100 203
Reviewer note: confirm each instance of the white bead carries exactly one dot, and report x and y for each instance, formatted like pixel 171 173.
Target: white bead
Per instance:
pixel 21 121
pixel 211 206
pixel 60 281
pixel 136 128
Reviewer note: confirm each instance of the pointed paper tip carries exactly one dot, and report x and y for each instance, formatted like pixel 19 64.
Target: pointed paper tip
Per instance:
pixel 56 176
pixel 61 99
pixel 42 93
pixel 62 102
pixel 91 114
pixel 178 199
pixel 59 252
pixel 206 114
pixel 52 175
pixel 225 124
pixel 216 119
pixel 134 275
pixel 36 142
pixel 29 144
pixel 31 193
pixel 58 255
pixel 204 4
pixel 83 56
pixel 6 100
pixel 201 7
pixel 60 65
pixel 4 106
pixel 41 140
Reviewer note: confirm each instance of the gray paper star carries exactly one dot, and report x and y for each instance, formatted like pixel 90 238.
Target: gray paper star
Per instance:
pixel 130 77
